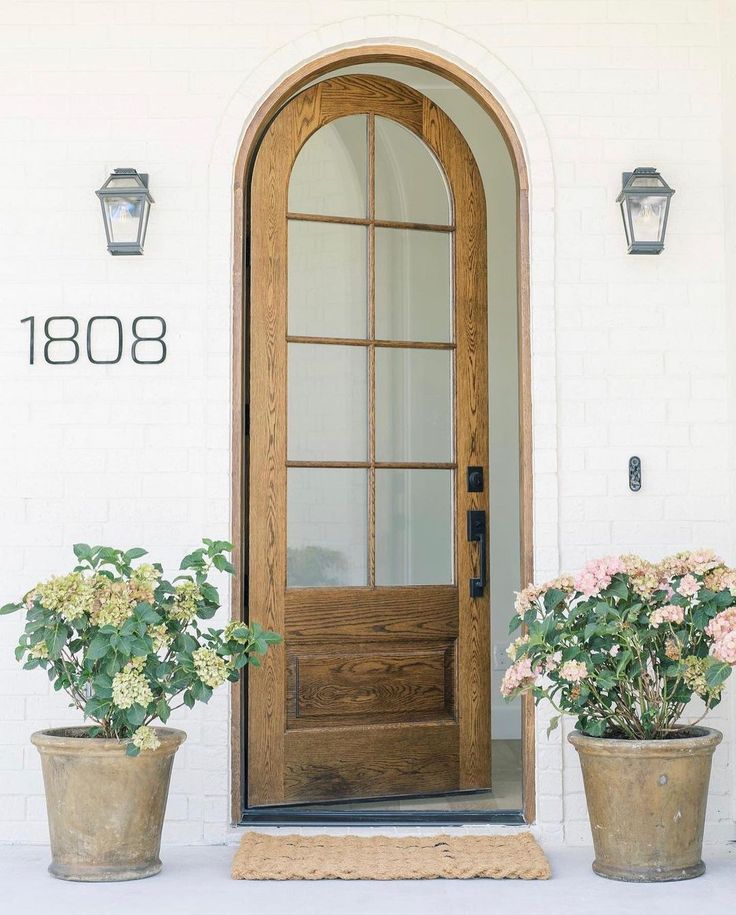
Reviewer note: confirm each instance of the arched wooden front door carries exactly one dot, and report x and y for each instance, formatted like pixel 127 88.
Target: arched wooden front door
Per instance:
pixel 368 450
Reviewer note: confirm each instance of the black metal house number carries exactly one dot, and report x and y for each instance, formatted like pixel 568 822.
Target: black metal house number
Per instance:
pixel 61 346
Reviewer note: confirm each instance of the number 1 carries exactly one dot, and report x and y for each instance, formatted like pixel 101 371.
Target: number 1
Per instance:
pixel 33 337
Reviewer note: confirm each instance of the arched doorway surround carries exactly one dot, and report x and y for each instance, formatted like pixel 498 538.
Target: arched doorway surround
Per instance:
pixel 297 80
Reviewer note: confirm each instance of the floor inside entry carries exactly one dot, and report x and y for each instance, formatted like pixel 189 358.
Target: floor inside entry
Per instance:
pixel 504 802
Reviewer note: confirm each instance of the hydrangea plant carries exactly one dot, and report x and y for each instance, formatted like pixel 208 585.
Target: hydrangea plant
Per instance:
pixel 626 644
pixel 128 646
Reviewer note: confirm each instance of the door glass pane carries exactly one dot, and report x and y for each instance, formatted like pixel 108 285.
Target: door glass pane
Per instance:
pixel 327 402
pixel 329 177
pixel 410 184
pixel 414 544
pixel 413 285
pixel 413 404
pixel 327 279
pixel 327 529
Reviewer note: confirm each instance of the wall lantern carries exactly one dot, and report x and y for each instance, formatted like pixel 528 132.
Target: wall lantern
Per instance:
pixel 645 206
pixel 126 205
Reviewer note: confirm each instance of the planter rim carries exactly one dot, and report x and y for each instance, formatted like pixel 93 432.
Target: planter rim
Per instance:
pixel 704 741
pixel 70 740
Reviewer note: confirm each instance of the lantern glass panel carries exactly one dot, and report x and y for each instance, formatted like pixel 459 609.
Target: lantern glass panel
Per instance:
pixel 124 215
pixel 123 182
pixel 647 216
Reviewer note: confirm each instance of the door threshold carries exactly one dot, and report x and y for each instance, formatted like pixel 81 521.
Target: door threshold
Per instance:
pixel 279 816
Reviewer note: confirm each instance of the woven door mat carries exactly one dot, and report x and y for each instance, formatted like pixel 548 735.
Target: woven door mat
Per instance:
pixel 289 857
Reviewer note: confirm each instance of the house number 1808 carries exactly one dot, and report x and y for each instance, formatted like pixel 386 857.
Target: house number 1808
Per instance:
pixel 61 346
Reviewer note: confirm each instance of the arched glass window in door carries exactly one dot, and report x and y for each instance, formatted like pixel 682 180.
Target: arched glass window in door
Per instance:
pixel 370 331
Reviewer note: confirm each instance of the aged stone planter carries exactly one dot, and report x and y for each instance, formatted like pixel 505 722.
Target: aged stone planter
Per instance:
pixel 105 809
pixel 646 803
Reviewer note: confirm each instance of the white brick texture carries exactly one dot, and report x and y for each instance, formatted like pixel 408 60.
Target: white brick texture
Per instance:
pixel 631 355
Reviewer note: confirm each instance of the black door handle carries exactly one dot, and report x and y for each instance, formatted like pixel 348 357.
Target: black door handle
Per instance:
pixel 477 531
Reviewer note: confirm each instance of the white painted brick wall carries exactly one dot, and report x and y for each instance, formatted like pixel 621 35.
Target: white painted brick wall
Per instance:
pixel 631 354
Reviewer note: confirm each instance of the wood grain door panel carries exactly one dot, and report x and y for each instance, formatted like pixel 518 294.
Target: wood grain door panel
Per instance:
pixel 376 691
pixel 355 763
pixel 354 685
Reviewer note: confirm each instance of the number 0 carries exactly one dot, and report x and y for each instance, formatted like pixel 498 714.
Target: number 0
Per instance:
pixel 89 340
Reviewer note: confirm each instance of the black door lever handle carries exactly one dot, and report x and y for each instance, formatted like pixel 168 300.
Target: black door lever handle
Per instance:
pixel 477 531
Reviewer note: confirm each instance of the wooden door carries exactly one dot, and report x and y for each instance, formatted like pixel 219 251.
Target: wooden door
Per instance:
pixel 368 404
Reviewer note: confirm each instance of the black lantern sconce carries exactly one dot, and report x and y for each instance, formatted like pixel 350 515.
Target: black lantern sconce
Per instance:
pixel 126 206
pixel 645 206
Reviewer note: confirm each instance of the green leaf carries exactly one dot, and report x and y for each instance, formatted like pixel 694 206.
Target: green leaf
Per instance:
pixel 140 648
pixel 184 643
pixel 552 598
pixel 209 593
pixel 201 692
pixel 223 564
pixel 136 715
pixel 129 626
pixel 514 623
pixel 188 699
pixel 162 710
pixel 618 588
pixel 146 613
pixel 96 708
pixel 623 660
pixel 132 749
pixel 701 616
pixel 594 727
pixel 57 641
pixel 193 560
pixel 134 553
pixel 99 646
pixel 717 673
pixel 9 608
pixel 553 723
pixel 605 679
pixel 82 551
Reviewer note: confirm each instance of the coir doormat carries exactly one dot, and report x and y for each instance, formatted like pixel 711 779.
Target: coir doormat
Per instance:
pixel 276 857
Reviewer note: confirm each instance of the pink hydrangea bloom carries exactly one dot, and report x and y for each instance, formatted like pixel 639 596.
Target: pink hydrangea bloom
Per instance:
pixel 722 629
pixel 670 613
pixel 722 624
pixel 518 676
pixel 689 586
pixel 574 671
pixel 725 649
pixel 597 574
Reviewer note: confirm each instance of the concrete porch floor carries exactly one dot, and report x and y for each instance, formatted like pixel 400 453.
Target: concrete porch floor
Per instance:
pixel 197 881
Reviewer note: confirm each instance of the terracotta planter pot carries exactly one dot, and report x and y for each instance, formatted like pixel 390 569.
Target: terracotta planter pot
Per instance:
pixel 646 803
pixel 105 809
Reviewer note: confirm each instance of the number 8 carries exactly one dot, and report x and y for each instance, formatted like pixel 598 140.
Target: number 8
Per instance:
pixel 70 339
pixel 159 338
